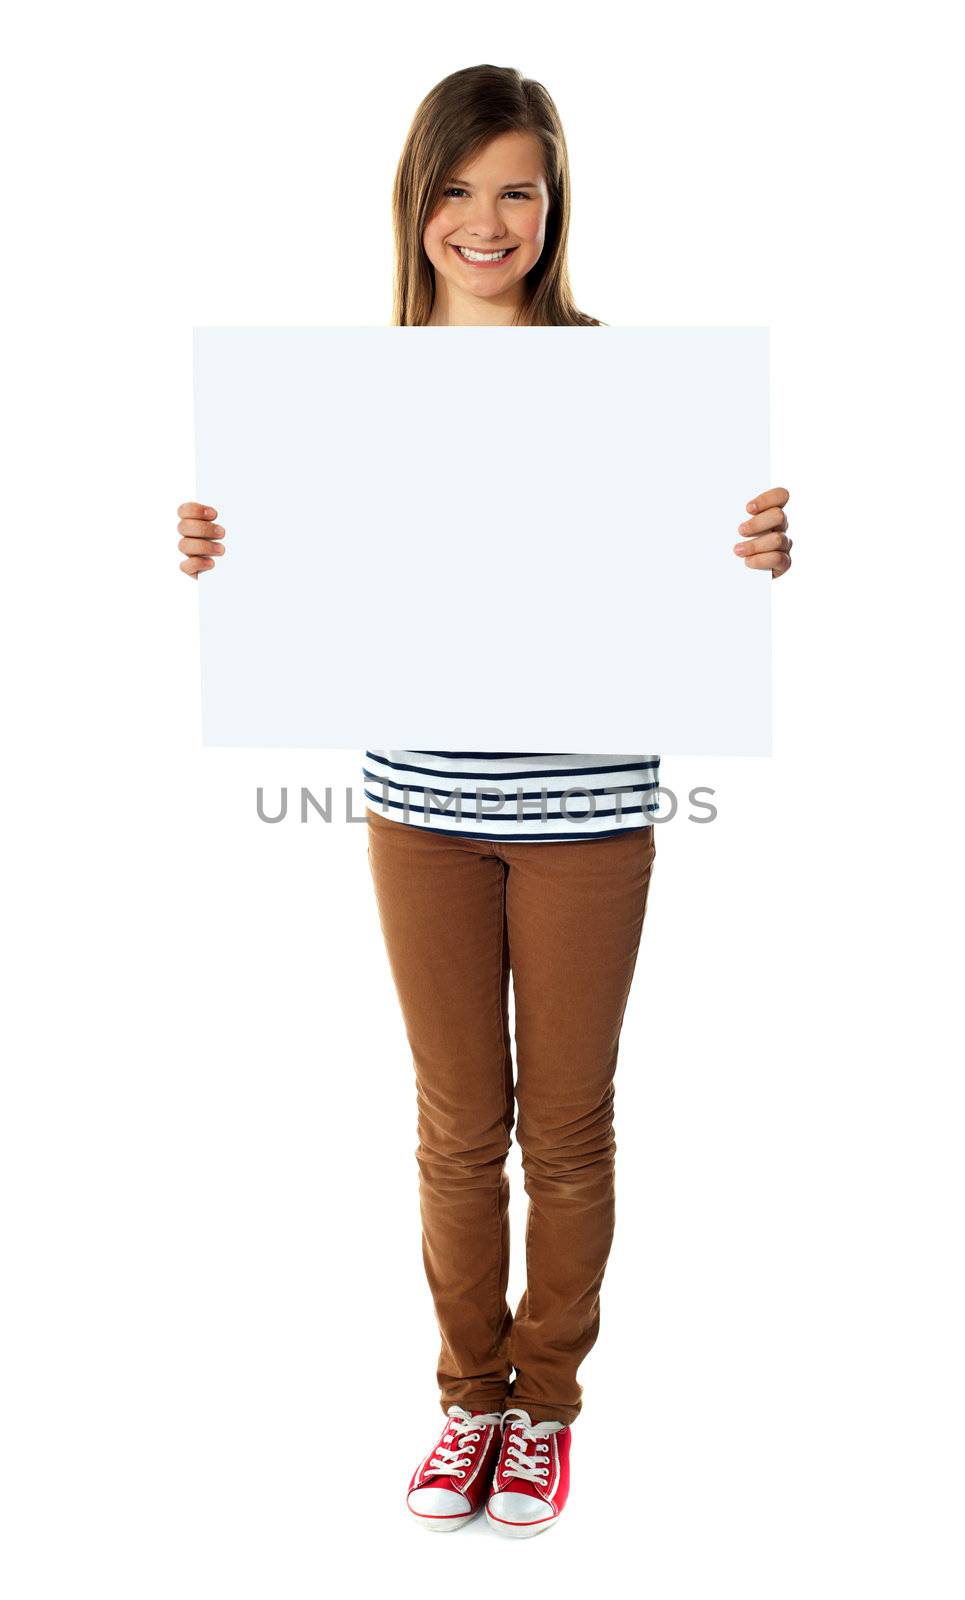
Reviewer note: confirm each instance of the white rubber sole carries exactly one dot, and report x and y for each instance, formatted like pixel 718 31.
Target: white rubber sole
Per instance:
pixel 442 1524
pixel 520 1530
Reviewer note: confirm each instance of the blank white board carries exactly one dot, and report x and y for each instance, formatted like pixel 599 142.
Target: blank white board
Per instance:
pixel 484 538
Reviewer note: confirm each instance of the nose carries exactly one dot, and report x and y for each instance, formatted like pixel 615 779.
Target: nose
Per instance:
pixel 483 222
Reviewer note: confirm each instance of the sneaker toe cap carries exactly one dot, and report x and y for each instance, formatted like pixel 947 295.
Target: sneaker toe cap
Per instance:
pixel 437 1503
pixel 516 1508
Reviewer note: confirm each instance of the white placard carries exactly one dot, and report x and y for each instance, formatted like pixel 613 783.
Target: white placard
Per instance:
pixel 484 538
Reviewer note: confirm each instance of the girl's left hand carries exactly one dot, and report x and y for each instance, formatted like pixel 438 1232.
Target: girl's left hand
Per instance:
pixel 767 544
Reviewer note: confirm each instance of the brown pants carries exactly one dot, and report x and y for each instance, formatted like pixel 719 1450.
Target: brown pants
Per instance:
pixel 566 918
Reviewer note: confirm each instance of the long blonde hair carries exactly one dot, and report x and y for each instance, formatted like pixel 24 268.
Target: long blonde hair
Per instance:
pixel 455 120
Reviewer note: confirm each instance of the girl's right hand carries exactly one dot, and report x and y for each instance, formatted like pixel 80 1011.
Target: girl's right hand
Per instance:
pixel 196 526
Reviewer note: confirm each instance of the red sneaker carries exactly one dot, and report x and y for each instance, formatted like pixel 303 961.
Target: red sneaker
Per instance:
pixel 449 1485
pixel 532 1477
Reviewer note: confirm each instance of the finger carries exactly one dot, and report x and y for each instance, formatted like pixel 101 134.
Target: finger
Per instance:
pixel 764 522
pixel 775 559
pixel 195 508
pixel 200 547
pixel 770 497
pixel 196 529
pixel 780 571
pixel 765 541
pixel 196 564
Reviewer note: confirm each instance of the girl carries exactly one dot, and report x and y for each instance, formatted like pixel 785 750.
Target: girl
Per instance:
pixel 481 210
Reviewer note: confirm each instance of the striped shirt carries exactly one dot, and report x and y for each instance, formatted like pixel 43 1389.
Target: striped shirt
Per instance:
pixel 513 794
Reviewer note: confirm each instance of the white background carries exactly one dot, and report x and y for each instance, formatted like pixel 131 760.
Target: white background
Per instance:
pixel 216 1347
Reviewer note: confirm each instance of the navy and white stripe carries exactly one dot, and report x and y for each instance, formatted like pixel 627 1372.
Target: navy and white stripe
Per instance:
pixel 544 797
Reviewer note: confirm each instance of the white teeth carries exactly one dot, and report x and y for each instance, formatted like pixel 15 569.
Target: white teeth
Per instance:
pixel 479 255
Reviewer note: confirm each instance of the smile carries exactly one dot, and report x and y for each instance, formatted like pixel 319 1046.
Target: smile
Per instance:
pixel 483 258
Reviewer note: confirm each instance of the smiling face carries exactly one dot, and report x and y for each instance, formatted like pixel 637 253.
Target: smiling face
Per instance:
pixel 488 232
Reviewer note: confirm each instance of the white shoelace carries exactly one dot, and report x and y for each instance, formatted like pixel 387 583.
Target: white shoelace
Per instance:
pixel 532 1467
pixel 451 1459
